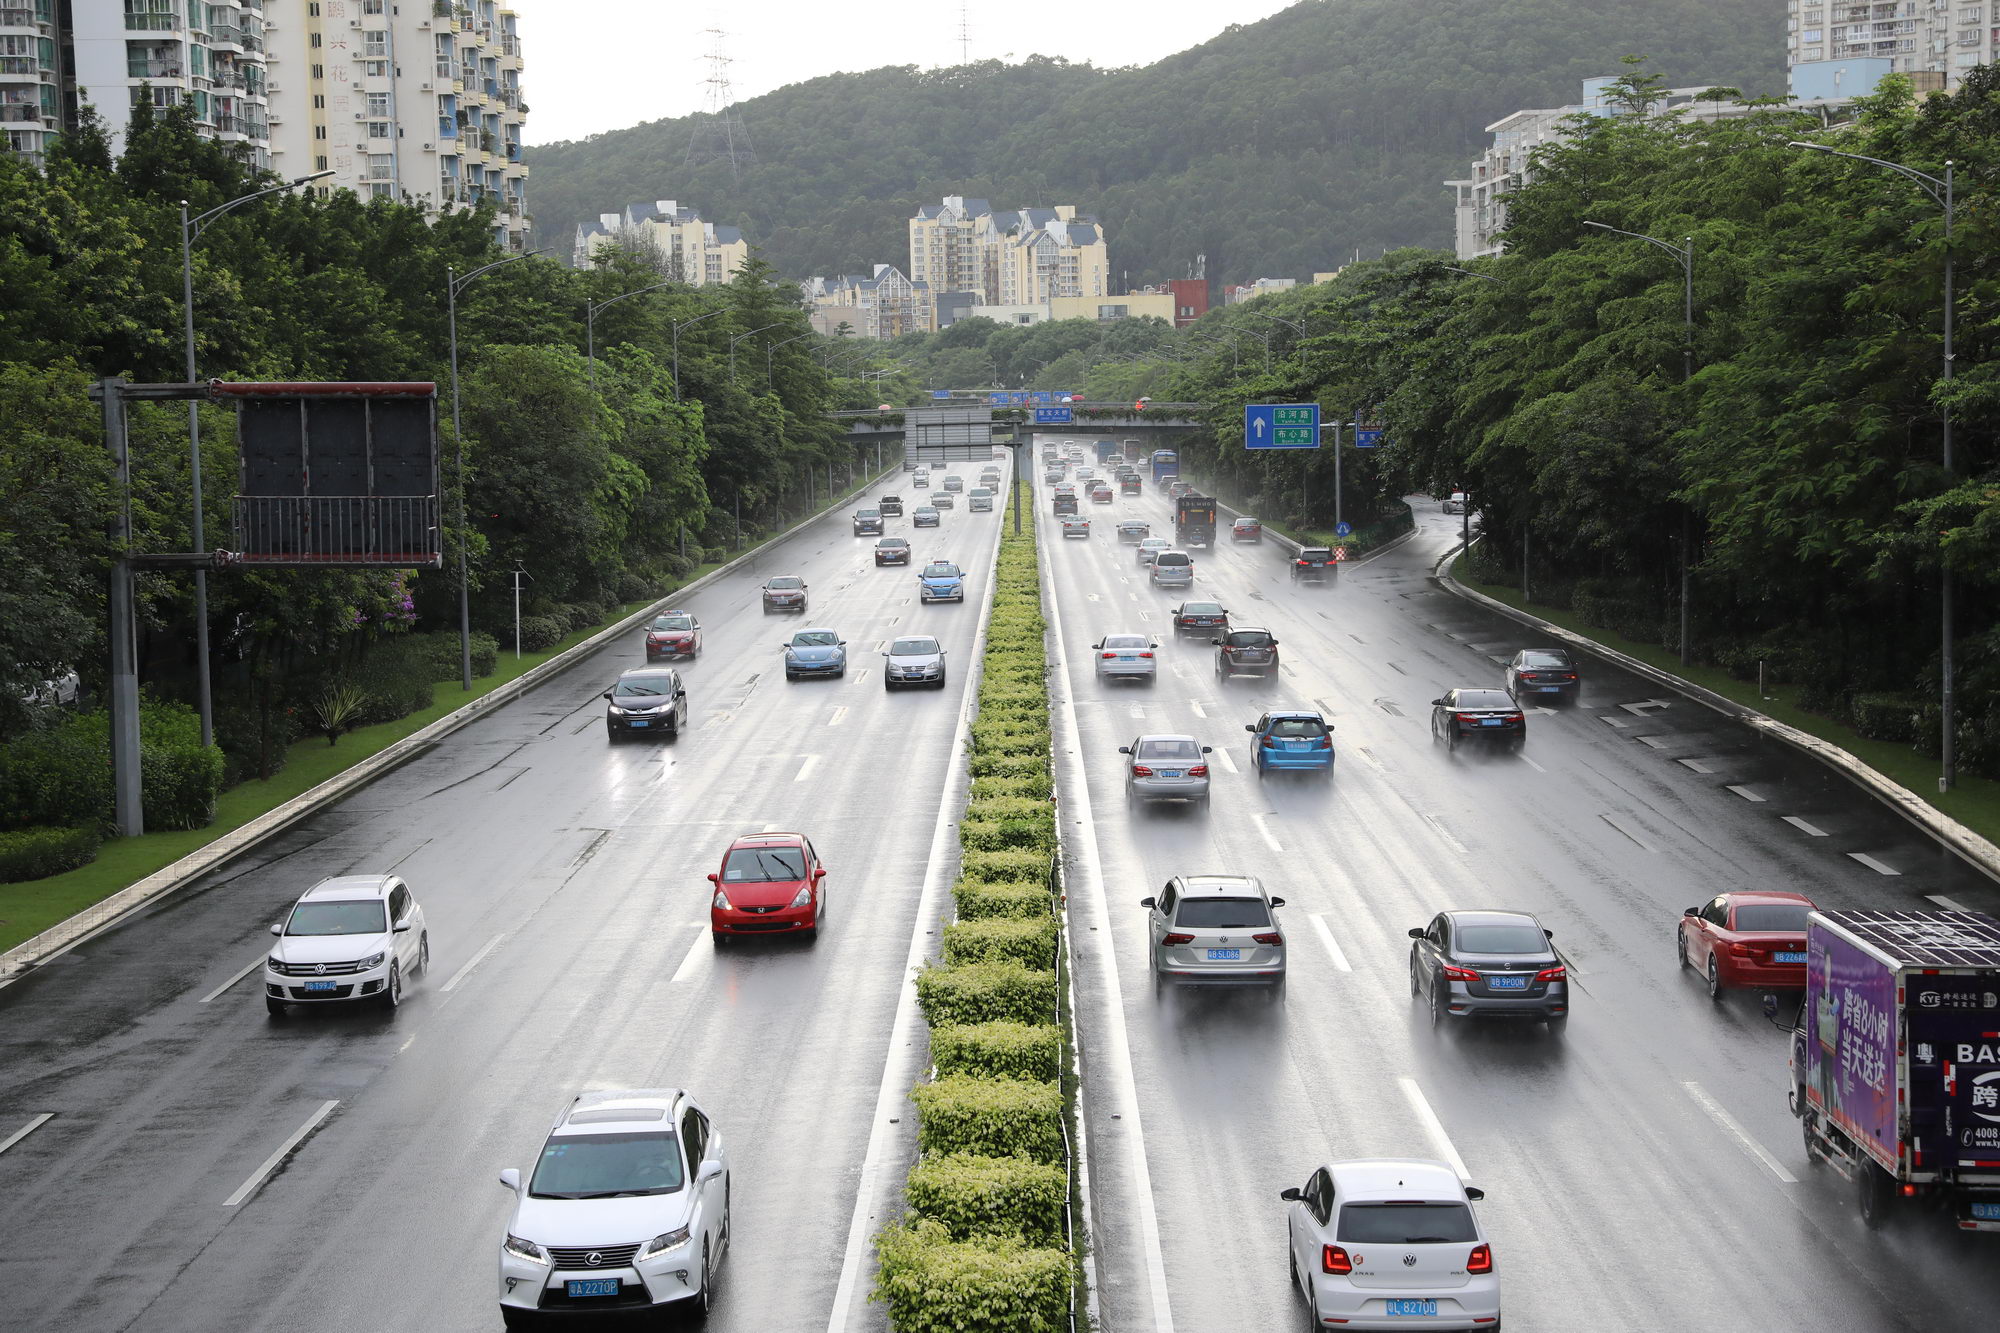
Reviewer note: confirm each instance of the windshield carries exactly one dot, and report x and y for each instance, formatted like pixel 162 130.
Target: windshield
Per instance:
pixel 764 865
pixel 673 622
pixel 1545 659
pixel 645 687
pixel 358 917
pixel 1223 913
pixel 1125 641
pixel 868 513
pixel 913 648
pixel 1172 748
pixel 1500 939
pixel 1249 638
pixel 608 1166
pixel 1201 608
pixel 1406 1224
pixel 1772 916
pixel 942 569
pixel 892 544
pixel 1297 728
pixel 1485 699
pixel 1172 558
pixel 786 581
pixel 815 638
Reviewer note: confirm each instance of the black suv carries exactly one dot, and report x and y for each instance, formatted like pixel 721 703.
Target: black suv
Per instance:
pixel 892 551
pixel 1246 650
pixel 867 522
pixel 891 506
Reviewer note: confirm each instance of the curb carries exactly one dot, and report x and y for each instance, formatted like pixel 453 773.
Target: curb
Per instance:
pixel 74 930
pixel 1982 854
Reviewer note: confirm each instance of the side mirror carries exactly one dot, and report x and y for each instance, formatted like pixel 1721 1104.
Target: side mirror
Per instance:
pixel 1437 703
pixel 1249 726
pixel 1098 646
pixel 511 1178
pixel 607 694
pixel 1216 642
pixel 1550 933
pixel 710 1170
pixel 712 879
pixel 1416 932
pixel 885 654
pixel 1474 1193
pixel 1277 902
pixel 1208 749
pixel 1149 902
pixel 1770 1006
pixel 1692 911
pixel 401 927
pixel 1274 643
pixel 1290 1195
pixel 842 644
pixel 1124 749
pixel 277 927
pixel 680 694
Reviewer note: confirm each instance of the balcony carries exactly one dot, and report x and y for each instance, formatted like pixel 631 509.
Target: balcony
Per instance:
pixel 224 34
pixel 152 69
pixel 16 16
pixel 152 22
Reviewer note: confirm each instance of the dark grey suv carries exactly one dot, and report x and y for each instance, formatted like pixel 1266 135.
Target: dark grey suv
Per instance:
pixel 652 700
pixel 1488 965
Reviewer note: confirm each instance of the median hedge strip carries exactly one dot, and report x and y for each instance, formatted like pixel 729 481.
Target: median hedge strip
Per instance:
pixel 985 1245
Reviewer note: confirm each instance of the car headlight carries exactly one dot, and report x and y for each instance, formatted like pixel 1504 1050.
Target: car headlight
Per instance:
pixel 373 960
pixel 614 710
pixel 525 1249
pixel 666 1240
pixel 802 897
pixel 275 963
pixel 721 901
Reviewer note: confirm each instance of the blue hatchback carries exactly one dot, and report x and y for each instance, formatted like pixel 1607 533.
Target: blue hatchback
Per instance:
pixel 941 581
pixel 815 652
pixel 1299 740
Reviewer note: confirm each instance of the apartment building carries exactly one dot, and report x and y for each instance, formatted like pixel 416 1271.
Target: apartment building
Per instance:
pixel 680 244
pixel 1255 288
pixel 884 304
pixel 413 100
pixel 1012 258
pixel 114 53
pixel 1843 47
pixel 31 76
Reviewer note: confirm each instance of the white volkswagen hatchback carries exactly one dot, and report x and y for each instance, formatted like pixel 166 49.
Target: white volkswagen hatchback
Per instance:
pixel 354 937
pixel 1385 1242
pixel 626 1210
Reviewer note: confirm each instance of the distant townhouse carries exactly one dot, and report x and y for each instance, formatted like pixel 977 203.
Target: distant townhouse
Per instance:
pixel 1019 259
pixel 884 304
pixel 681 245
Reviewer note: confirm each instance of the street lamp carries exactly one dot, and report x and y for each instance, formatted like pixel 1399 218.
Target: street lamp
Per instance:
pixel 1487 277
pixel 453 285
pixel 590 309
pixel 191 229
pixel 770 347
pixel 1942 191
pixel 1235 353
pixel 678 325
pixel 1684 256
pixel 739 338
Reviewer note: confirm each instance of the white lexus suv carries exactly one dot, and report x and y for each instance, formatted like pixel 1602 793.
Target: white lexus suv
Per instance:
pixel 626 1210
pixel 354 937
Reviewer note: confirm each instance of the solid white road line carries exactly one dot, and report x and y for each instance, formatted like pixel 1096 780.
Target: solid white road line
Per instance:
pixel 700 953
pixel 1803 827
pixel 1874 865
pixel 1746 793
pixel 1437 826
pixel 1199 711
pixel 1265 829
pixel 1332 945
pixel 248 1187
pixel 1433 1126
pixel 232 981
pixel 806 768
pixel 1629 832
pixel 1938 898
pixel 472 962
pixel 1737 1132
pixel 27 1129
pixel 1696 765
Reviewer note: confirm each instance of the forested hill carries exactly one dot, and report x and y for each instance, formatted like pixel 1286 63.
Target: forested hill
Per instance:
pixel 1278 148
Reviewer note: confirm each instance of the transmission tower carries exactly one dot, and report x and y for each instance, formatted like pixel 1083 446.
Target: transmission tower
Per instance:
pixel 718 134
pixel 965 32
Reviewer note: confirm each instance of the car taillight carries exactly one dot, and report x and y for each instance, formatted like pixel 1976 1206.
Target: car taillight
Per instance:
pixel 1109 656
pixel 1552 974
pixel 1271 937
pixel 1511 717
pixel 1468 717
pixel 1177 939
pixel 1459 973
pixel 1302 564
pixel 1270 742
pixel 1141 771
pixel 1322 743
pixel 1480 1260
pixel 1570 676
pixel 1333 1259
pixel 1737 950
pixel 1529 675
pixel 1198 771
pixel 1145 654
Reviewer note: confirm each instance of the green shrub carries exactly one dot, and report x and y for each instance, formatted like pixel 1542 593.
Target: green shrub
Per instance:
pixel 991 1196
pixel 975 899
pixel 398 676
pixel 541 633
pixel 61 775
pixel 1000 1049
pixel 995 1117
pixel 932 1284
pixel 1036 832
pixel 635 587
pixel 255 742
pixel 1008 806
pixel 715 555
pixel 678 566
pixel 37 853
pixel 1030 941
pixel 1035 787
pixel 576 615
pixel 1886 717
pixel 1004 866
pixel 983 992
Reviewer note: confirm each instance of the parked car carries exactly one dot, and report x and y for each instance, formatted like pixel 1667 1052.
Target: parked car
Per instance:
pixel 1200 618
pixel 1475 715
pixel 1747 940
pixel 941 581
pixel 625 1211
pixel 349 938
pixel 785 592
pixel 1247 529
pixel 1548 673
pixel 1215 930
pixel 1126 657
pixel 673 634
pixel 1172 569
pixel 1489 965
pixel 924 516
pixel 1293 740
pixel 1074 526
pixel 892 551
pixel 815 652
pixel 868 522
pixel 1166 768
pixel 891 506
pixel 915 660
pixel 1150 547
pixel 649 700
pixel 1245 650
pixel 769 884
pixel 62 690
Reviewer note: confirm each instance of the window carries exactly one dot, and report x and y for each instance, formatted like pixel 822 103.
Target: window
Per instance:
pixel 1501 939
pixel 1401 1223
pixel 319 163
pixel 381 129
pixel 601 1165
pixel 319 71
pixel 399 903
pixel 319 131
pixel 1812 35
pixel 381 166
pixel 765 865
pixel 378 104
pixel 319 101
pixel 374 69
pixel 375 45
pixel 1168 896
pixel 694 1134
pixel 361 916
pixel 1223 913
pixel 372 6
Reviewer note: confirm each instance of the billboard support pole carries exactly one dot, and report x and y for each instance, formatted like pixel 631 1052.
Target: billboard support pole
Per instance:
pixel 128 810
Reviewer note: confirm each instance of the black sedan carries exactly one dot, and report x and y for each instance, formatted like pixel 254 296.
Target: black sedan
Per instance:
pixel 892 551
pixel 1545 673
pixel 1488 965
pixel 1199 617
pixel 1470 715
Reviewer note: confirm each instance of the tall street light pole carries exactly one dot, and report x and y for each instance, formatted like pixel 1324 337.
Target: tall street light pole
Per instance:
pixel 191 229
pixel 1684 256
pixel 1942 191
pixel 739 338
pixel 453 285
pixel 590 309
pixel 772 347
pixel 678 325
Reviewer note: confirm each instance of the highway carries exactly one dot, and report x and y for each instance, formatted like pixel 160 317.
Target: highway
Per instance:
pixel 1642 1171
pixel 563 882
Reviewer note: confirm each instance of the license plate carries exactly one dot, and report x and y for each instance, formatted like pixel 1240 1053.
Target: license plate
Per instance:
pixel 1507 983
pixel 1550 689
pixel 1128 657
pixel 1170 772
pixel 1295 745
pixel 639 722
pixel 1224 955
pixel 312 986
pixel 1986 1212
pixel 1428 1309
pixel 592 1286
pixel 1489 722
pixel 1788 957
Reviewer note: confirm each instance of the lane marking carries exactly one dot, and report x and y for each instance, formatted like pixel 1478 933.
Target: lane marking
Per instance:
pixel 1437 826
pixel 839 713
pixel 1695 764
pixel 471 963
pixel 1227 762
pixel 1805 828
pixel 1737 1132
pixel 1199 711
pixel 1620 825
pixel 1938 898
pixel 805 768
pixel 1874 865
pixel 27 1129
pixel 249 1186
pixel 231 982
pixel 1368 757
pixel 1532 764
pixel 1657 742
pixel 1265 829
pixel 1746 793
pixel 1433 1126
pixel 771 828
pixel 1326 937
pixel 1619 723
pixel 692 961
pixel 861 675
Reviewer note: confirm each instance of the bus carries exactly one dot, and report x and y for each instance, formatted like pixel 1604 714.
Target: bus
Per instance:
pixel 1166 463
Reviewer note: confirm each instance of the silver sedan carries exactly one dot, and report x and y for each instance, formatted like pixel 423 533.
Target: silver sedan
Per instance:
pixel 1126 657
pixel 1166 768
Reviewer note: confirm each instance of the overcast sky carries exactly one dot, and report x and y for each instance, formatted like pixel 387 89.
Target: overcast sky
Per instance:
pixel 594 65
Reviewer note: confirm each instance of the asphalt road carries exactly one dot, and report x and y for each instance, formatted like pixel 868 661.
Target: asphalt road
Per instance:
pixel 563 883
pixel 1641 1171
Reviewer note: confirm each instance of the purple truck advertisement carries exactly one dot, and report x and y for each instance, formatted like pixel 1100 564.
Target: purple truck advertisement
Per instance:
pixel 1851 1042
pixel 1954 1026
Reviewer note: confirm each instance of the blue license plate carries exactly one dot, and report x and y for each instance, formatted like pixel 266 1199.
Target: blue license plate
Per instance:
pixel 1986 1212
pixel 1507 983
pixel 639 722
pixel 314 986
pixel 1550 689
pixel 1128 657
pixel 1489 722
pixel 1788 958
pixel 1170 772
pixel 592 1286
pixel 1224 955
pixel 1428 1309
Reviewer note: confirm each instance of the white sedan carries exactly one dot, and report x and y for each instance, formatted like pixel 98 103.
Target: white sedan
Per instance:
pixel 1126 657
pixel 1384 1242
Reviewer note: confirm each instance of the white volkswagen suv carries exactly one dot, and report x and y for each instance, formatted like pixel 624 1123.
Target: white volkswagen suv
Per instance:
pixel 1383 1242
pixel 355 937
pixel 626 1210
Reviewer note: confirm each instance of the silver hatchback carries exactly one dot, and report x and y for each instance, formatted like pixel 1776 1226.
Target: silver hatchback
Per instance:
pixel 1216 930
pixel 1166 768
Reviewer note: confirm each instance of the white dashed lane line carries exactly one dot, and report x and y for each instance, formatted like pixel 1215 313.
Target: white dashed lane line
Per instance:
pixel 249 1187
pixel 26 1130
pixel 1657 742
pixel 232 981
pixel 1736 1131
pixel 1810 830
pixel 1938 898
pixel 1629 832
pixel 1617 722
pixel 1435 1127
pixel 1877 866
pixel 1326 937
pixel 806 768
pixel 1695 764
pixel 471 963
pixel 1746 793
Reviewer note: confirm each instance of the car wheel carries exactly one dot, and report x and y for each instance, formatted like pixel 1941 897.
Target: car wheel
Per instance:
pixel 1714 980
pixel 274 1006
pixel 720 940
pixel 424 953
pixel 1292 1262
pixel 704 1300
pixel 392 994
pixel 1262 772
pixel 1312 1315
pixel 1159 983
pixel 1451 741
pixel 1558 1025
pixel 1874 1192
pixel 611 733
pixel 888 684
pixel 1416 985
pixel 1438 1003
pixel 1275 992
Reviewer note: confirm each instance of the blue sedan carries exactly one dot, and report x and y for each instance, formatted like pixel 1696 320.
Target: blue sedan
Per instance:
pixel 1299 740
pixel 941 581
pixel 815 652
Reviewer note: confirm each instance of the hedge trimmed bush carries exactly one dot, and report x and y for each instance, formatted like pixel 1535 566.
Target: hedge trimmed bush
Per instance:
pixel 1001 1049
pixel 1000 867
pixel 61 775
pixel 1036 787
pixel 933 1284
pixel 973 1196
pixel 37 853
pixel 397 678
pixel 541 633
pixel 1029 941
pixel 1886 717
pixel 986 900
pixel 994 1117
pixel 981 992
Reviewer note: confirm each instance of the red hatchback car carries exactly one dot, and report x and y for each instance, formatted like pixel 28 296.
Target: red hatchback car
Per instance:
pixel 769 884
pixel 1751 940
pixel 673 634
pixel 1246 529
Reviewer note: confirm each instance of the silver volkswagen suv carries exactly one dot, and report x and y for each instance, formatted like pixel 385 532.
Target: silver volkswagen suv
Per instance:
pixel 1215 930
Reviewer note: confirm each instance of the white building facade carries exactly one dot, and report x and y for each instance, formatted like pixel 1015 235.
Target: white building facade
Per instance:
pixel 31 80
pixel 1841 47
pixel 680 244
pixel 120 51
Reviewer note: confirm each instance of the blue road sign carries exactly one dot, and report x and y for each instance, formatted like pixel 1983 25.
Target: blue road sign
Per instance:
pixel 1343 529
pixel 997 399
pixel 1368 437
pixel 1017 398
pixel 1281 426
pixel 1053 416
pixel 1041 396
pixel 940 393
